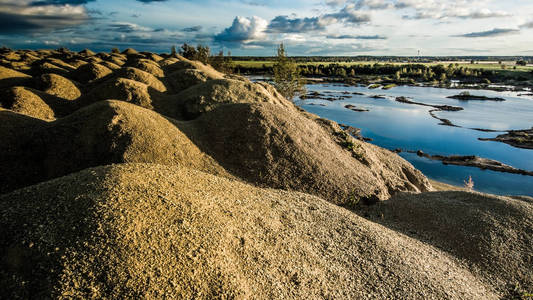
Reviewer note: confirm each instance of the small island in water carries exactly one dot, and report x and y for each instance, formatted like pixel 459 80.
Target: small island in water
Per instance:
pixel 465 96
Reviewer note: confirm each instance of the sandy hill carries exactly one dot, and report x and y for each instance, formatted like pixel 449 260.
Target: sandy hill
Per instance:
pixel 493 235
pixel 248 128
pixel 150 231
pixel 274 146
pixel 137 175
pixel 99 134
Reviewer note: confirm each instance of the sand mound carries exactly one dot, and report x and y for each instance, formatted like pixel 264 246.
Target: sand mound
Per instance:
pixel 153 56
pixel 30 56
pixel 29 98
pixel 18 155
pixel 19 66
pixel 144 77
pixel 12 55
pixel 183 79
pixel 25 101
pixel 90 72
pixel 110 65
pixel 273 146
pixel 95 60
pixel 207 96
pixel 148 66
pixel 103 55
pixel 168 61
pixel 118 59
pixel 47 67
pixel 59 86
pixel 60 63
pixel 104 133
pixel 86 52
pixel 77 63
pixel 183 64
pixel 9 77
pixel 120 89
pixel 148 231
pixel 494 235
pixel 130 51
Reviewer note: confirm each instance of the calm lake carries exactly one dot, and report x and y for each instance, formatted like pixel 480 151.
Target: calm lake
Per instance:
pixel 394 125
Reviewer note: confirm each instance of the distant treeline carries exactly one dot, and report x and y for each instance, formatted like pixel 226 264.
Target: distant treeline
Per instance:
pixel 392 59
pixel 390 72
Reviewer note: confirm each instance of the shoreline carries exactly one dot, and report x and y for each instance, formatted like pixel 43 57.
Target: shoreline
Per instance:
pixel 525 90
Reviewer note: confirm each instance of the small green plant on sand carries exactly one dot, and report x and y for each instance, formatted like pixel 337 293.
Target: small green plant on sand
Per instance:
pixel 517 292
pixel 349 145
pixel 352 201
pixel 356 149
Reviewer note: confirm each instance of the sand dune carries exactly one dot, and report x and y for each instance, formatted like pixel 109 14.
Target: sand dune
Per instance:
pixel 138 175
pixel 150 231
pixel 493 235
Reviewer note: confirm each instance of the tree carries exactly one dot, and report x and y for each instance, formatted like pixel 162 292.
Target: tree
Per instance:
pixel 221 63
pixel 287 78
pixel 200 53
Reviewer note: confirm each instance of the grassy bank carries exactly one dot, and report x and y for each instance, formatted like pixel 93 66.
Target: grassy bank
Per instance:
pixel 505 72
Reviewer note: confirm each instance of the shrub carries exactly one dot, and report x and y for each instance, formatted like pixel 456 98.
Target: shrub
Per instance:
pixel 469 184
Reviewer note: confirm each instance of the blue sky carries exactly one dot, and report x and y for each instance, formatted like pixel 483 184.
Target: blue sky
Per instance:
pixel 255 27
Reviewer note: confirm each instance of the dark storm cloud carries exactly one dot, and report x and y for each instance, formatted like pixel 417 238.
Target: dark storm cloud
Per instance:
pixel 490 33
pixel 22 24
pixel 357 37
pixel 349 14
pixel 150 1
pixel 284 24
pixel 193 29
pixel 29 17
pixel 59 2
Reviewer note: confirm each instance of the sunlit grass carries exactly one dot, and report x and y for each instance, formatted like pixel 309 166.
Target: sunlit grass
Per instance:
pixel 508 65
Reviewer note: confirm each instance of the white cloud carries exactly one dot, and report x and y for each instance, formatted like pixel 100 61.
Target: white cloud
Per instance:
pixel 431 9
pixel 244 30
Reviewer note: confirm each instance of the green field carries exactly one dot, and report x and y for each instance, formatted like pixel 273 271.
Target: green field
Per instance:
pixel 509 66
pixel 507 69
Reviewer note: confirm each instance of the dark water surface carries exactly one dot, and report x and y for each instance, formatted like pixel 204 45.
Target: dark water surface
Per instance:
pixel 393 125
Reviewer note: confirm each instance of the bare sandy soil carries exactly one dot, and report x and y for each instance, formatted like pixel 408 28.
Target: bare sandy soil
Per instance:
pixel 137 175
